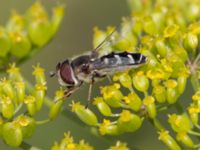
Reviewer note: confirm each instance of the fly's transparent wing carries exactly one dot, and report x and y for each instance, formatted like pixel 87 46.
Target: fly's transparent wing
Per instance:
pixel 117 39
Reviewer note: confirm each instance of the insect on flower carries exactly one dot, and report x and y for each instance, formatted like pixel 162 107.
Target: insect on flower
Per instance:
pixel 89 68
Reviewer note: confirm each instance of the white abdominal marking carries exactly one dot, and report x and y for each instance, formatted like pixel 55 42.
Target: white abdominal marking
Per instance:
pixel 106 61
pixel 131 60
pixel 140 58
pixel 119 61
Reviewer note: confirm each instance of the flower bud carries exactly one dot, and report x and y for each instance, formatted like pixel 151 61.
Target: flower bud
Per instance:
pixel 194 28
pixel 196 96
pixel 98 36
pixel 7 108
pixel 40 91
pixel 128 122
pixel 161 47
pixel 182 81
pixel 84 114
pixel 149 102
pixel 194 111
pixel 124 79
pixel 40 31
pixel 109 128
pixel 55 109
pixel 193 11
pixel 181 53
pixel 160 93
pixel 177 65
pixel 152 61
pixel 58 13
pixel 30 102
pixel 156 75
pixel 179 123
pixel 112 95
pixel 168 140
pixel 15 23
pixel 27 125
pixel 190 42
pixel 39 27
pixel 21 45
pixel 148 42
pixel 149 26
pixel 171 30
pixel 159 19
pixel 185 139
pixel 140 81
pixel 133 101
pixel 39 74
pixel 7 88
pixel 166 68
pixel 12 134
pixel 138 24
pixel 36 10
pixel 14 73
pixel 102 106
pixel 128 42
pixel 5 43
pixel 172 91
pixel 119 146
pixel 20 91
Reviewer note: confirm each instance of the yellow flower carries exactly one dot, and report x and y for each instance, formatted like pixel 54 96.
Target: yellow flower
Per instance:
pixel 29 99
pixel 38 70
pixel 119 146
pixel 196 96
pixel 171 30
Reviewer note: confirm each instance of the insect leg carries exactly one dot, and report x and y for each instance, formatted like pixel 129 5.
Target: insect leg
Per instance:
pixel 68 92
pixel 109 78
pixel 89 94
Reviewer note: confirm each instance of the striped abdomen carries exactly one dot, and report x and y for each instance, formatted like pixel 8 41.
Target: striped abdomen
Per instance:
pixel 119 61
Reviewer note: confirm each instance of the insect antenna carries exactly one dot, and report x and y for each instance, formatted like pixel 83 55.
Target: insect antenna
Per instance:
pixel 107 37
pixel 52 74
pixel 120 31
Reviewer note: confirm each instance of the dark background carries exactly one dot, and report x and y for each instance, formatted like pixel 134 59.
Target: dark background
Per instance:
pixel 75 37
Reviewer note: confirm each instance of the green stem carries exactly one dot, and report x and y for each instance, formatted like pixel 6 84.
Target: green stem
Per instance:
pixel 18 108
pixel 156 123
pixel 163 108
pixel 195 82
pixel 194 133
pixel 197 146
pixel 197 126
pixel 131 89
pixel 115 115
pixel 48 102
pixel 42 121
pixel 146 94
pixel 26 146
pixel 179 108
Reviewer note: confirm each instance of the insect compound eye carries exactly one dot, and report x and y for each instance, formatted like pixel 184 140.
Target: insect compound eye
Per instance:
pixel 66 73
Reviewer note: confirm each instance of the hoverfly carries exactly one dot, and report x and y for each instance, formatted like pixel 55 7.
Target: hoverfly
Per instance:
pixel 89 68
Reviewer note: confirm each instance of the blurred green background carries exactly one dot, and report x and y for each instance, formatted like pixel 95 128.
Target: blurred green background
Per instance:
pixel 75 37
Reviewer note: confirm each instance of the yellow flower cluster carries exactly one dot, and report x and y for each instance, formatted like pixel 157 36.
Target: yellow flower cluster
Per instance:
pixel 169 39
pixel 68 143
pixel 25 34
